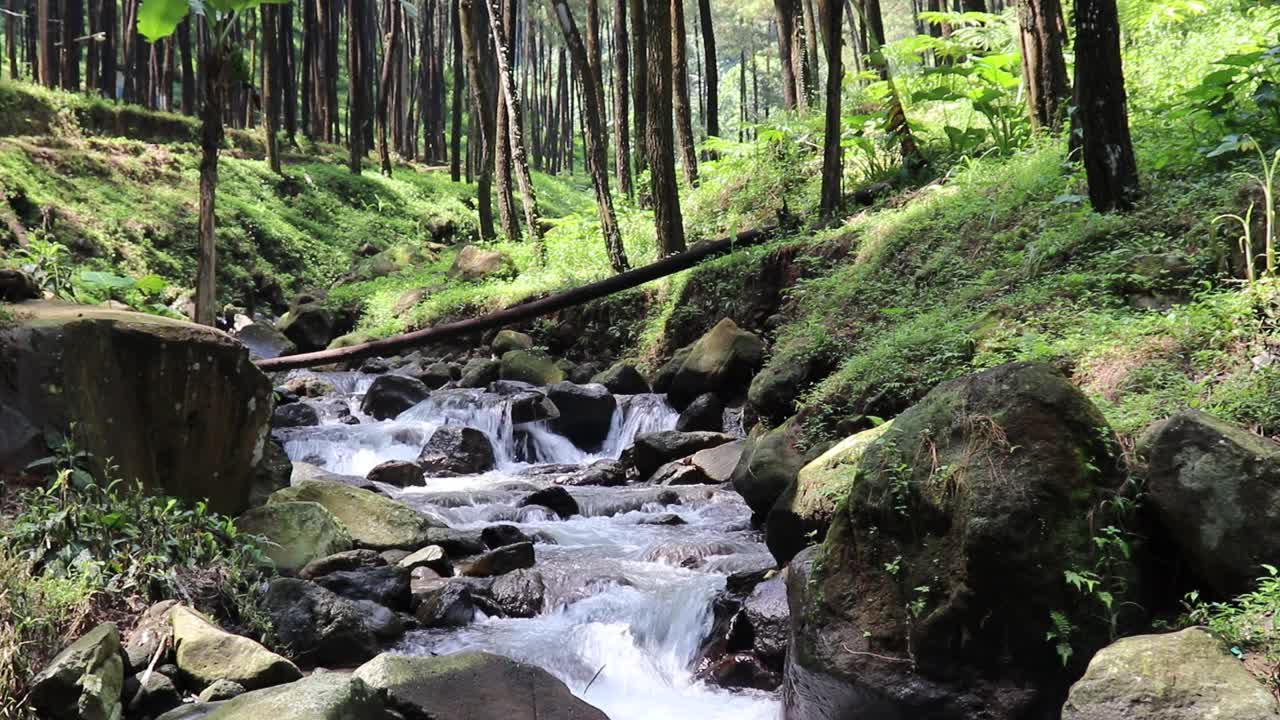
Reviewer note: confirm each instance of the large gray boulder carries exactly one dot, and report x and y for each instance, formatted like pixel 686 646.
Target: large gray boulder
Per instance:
pixel 322 696
pixel 84 681
pixel 1214 486
pixel 474 264
pixel 392 394
pixel 206 653
pixel 507 340
pixel 932 593
pixel 721 362
pixel 297 533
pixel 310 326
pixel 653 450
pixel 496 688
pixel 586 413
pixel 770 462
pixel 373 521
pixel 456 451
pixel 530 366
pixel 323 628
pixel 622 379
pixel 174 405
pixel 1187 675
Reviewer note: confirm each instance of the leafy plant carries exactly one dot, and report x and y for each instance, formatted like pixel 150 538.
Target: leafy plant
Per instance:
pixel 1248 624
pixel 1060 635
pixel 47 261
pixel 1241 97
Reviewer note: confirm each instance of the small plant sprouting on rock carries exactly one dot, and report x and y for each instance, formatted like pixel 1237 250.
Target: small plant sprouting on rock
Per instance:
pixel 1060 635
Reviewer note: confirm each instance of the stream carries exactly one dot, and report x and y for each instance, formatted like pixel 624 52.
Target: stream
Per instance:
pixel 627 602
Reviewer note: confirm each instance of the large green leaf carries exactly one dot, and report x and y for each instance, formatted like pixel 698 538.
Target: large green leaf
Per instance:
pixel 158 19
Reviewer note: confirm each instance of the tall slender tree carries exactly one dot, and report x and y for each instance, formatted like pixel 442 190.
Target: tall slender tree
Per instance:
pixel 660 135
pixel 597 160
pixel 390 58
pixel 680 94
pixel 640 82
pixel 502 17
pixel 832 147
pixel 712 71
pixel 356 88
pixel 271 85
pixel 482 111
pixel 622 98
pixel 1102 104
pixel 1044 69
pixel 455 140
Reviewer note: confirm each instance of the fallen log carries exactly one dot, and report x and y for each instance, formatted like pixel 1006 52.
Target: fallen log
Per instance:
pixel 524 311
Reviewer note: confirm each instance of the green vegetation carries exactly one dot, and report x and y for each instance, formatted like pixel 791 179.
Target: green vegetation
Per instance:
pixel 80 550
pixel 1247 625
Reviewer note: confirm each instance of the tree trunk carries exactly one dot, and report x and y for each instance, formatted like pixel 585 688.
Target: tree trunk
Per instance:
pixel 288 67
pixel 270 86
pixel 11 36
pixel 188 75
pixel 107 53
pixel 1108 157
pixel 210 144
pixel 597 161
pixel 455 167
pixel 640 83
pixel 896 125
pixel 47 60
pixel 500 18
pixel 482 115
pixel 680 94
pixel 712 68
pixel 661 136
pixel 391 47
pixel 790 54
pixel 356 88
pixel 811 50
pixel 597 65
pixel 621 98
pixel 1043 67
pixel 832 147
pixel 71 54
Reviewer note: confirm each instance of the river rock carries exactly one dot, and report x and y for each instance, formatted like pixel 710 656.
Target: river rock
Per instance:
pixel 507 340
pixel 518 593
pixel 556 499
pixel 297 532
pixel 622 379
pixel 500 561
pixel 652 450
pixel 174 405
pixel 152 698
pixel 530 366
pixel 310 326
pixel 586 413
pixel 473 263
pixel 803 513
pixel 479 372
pixel 601 473
pixel 17 286
pixel 338 562
pixel 84 681
pixel 321 696
pixel 320 626
pixel 532 406
pixel 273 473
pixel 1212 485
pixel 303 472
pixel 310 386
pixel 387 585
pixel 220 691
pixel 400 473
pixel 151 631
pixel 457 543
pixel 721 362
pixel 374 522
pixel 979 498
pixel 392 394
pixel 456 451
pixel 706 412
pixel 718 463
pixel 666 374
pixel 1187 675
pixel 265 341
pixel 774 390
pixel 437 374
pixel 496 688
pixel 444 603
pixel 770 462
pixel 205 653
pixel 496 536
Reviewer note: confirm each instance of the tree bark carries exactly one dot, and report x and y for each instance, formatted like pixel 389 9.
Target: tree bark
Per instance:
pixel 355 88
pixel 660 134
pixel 791 52
pixel 621 98
pixel 390 49
pixel 712 68
pixel 525 311
pixel 832 147
pixel 482 115
pixel 211 134
pixel 270 86
pixel 47 76
pixel 811 49
pixel 455 167
pixel 11 37
pixel 1043 67
pixel 597 161
pixel 640 82
pixel 510 98
pixel 680 94
pixel 107 53
pixel 1108 157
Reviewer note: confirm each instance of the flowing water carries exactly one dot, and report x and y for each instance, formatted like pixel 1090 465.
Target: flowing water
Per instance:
pixel 627 603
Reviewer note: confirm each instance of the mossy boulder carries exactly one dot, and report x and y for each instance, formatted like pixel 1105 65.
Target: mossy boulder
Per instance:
pixel 474 686
pixel 803 513
pixel 351 339
pixel 1187 675
pixel 1214 486
pixel 206 653
pixel 622 378
pixel 507 340
pixel 322 696
pixel 530 366
pixel 775 389
pixel 374 522
pixel 265 341
pixel 175 405
pixel 474 263
pixel 309 326
pixel 299 532
pixel 932 594
pixel 84 681
pixel 770 462
pixel 721 362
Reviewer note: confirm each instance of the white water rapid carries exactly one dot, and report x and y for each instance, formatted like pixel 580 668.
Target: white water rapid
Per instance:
pixel 627 603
